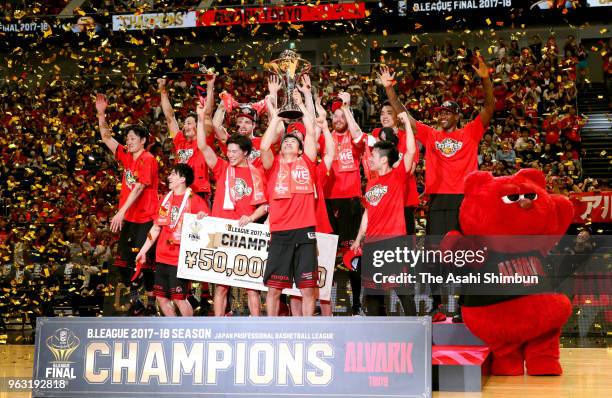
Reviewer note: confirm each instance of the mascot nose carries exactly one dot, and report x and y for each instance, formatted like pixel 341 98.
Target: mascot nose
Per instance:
pixel 525 204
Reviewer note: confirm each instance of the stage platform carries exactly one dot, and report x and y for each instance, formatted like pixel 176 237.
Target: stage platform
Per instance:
pixel 587 374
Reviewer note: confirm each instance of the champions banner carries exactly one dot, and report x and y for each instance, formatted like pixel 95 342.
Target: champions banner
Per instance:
pixel 216 250
pixel 276 14
pixel 169 20
pixel 233 357
pixel 591 206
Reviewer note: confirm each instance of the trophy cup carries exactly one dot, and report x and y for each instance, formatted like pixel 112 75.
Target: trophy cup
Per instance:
pixel 290 68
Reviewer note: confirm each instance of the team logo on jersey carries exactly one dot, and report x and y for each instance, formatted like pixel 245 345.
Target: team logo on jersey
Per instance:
pixel 241 189
pixel 375 194
pixel 254 155
pixel 130 178
pixel 448 147
pixel 184 155
pixel 300 175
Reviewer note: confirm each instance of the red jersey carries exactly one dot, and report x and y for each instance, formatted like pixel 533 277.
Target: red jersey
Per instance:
pixel 243 191
pixel 384 199
pixel 412 195
pixel 345 180
pixel 295 212
pixel 255 152
pixel 411 199
pixel 144 171
pixel 322 218
pixel 450 157
pixel 187 152
pixel 168 242
pixel 255 155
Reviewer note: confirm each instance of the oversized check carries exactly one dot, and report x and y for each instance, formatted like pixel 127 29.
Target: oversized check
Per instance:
pixel 217 250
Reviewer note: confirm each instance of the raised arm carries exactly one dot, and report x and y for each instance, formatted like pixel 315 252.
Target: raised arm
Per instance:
pixel 209 155
pixel 306 88
pixel 171 122
pixel 217 121
pixel 330 148
pixel 274 86
pixel 353 127
pixel 387 79
pixel 486 114
pixel 209 104
pixel 410 143
pixel 105 132
pixel 269 138
pixel 310 142
pixel 210 96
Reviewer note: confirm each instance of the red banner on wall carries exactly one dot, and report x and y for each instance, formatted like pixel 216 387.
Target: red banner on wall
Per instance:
pixel 593 206
pixel 265 15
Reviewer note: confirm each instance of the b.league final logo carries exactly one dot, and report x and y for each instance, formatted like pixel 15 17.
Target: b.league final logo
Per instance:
pixel 194 229
pixel 62 345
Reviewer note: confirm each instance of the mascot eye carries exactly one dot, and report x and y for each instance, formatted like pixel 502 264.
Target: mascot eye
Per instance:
pixel 511 198
pixel 532 196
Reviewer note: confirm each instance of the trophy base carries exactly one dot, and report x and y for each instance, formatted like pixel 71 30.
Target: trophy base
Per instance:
pixel 290 114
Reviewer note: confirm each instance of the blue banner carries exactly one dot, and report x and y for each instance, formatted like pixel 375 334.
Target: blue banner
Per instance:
pixel 233 357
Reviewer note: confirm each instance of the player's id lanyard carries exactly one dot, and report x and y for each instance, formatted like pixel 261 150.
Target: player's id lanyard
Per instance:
pixel 165 218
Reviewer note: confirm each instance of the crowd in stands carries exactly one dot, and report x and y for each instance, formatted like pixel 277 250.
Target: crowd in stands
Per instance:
pixel 58 186
pixel 20 8
pixel 117 6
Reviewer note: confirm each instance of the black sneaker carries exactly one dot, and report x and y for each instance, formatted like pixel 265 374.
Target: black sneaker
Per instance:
pixel 195 304
pixel 457 318
pixel 205 308
pixel 136 309
pixel 151 310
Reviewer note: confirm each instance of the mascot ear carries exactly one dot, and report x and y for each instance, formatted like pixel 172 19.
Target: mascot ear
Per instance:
pixel 533 175
pixel 475 180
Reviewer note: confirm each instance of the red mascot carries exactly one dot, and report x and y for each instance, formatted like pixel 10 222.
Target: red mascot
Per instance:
pixel 521 330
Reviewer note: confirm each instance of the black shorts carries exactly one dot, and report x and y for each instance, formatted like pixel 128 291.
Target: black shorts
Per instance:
pixel 133 236
pixel 409 219
pixel 168 285
pixel 292 257
pixel 345 217
pixel 443 213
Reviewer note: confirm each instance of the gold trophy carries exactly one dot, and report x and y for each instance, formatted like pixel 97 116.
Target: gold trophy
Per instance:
pixel 290 68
